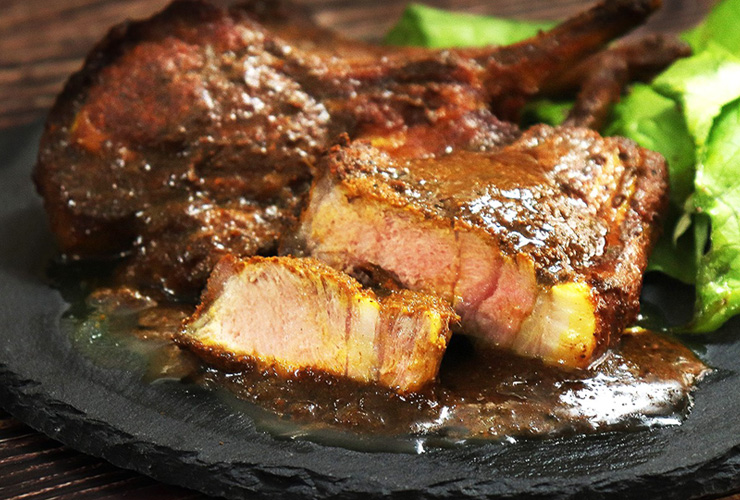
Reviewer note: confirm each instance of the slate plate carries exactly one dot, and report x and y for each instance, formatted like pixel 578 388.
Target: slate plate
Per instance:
pixel 184 435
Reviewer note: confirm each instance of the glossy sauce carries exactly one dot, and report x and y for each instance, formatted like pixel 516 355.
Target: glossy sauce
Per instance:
pixel 480 393
pixel 492 395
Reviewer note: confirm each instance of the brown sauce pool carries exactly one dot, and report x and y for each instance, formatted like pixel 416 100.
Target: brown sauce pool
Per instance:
pixel 488 394
pixel 481 394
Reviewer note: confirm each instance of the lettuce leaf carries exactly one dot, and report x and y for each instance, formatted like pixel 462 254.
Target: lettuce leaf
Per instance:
pixel 702 84
pixel 434 28
pixel 706 131
pixel 718 196
pixel 719 28
pixel 545 111
pixel 675 257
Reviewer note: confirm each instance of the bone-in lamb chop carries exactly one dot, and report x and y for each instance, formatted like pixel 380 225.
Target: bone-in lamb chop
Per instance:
pixel 190 135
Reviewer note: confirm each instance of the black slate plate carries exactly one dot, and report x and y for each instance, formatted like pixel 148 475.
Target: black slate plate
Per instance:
pixel 184 435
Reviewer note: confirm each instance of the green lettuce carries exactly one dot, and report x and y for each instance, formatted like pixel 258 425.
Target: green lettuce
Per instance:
pixel 718 196
pixel 706 86
pixel 719 28
pixel 545 111
pixel 702 85
pixel 424 26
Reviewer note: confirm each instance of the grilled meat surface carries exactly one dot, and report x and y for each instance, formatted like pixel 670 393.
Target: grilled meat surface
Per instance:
pixel 180 243
pixel 291 315
pixel 540 245
pixel 176 122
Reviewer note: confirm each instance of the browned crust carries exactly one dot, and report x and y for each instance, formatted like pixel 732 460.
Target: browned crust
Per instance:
pixel 234 363
pixel 368 173
pixel 533 63
pixel 619 280
pixel 93 226
pixel 409 302
pixel 77 232
pixel 602 78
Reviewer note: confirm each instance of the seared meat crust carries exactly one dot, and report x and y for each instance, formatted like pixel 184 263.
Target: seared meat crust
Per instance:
pixel 181 243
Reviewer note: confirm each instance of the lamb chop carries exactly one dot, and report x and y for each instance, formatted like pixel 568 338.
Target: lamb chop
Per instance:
pixel 324 322
pixel 192 135
pixel 539 245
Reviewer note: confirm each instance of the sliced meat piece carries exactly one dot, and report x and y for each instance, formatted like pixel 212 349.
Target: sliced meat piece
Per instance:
pixel 539 246
pixel 301 315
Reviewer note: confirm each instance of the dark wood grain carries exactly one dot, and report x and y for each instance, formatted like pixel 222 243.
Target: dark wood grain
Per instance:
pixel 33 466
pixel 41 43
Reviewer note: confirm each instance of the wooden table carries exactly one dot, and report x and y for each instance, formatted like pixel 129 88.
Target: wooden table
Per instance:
pixel 41 43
